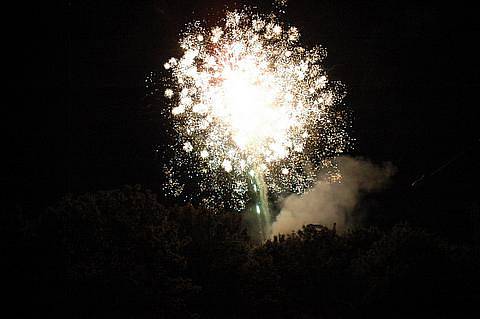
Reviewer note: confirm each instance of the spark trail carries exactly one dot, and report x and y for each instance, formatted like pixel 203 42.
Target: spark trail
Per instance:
pixel 252 108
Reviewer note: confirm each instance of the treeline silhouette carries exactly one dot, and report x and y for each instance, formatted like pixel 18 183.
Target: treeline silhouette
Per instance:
pixel 122 254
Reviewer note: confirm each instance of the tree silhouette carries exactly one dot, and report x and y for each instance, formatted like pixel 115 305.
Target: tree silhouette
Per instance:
pixel 121 253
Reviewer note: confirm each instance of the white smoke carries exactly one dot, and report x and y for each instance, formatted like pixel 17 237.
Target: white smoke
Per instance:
pixel 327 203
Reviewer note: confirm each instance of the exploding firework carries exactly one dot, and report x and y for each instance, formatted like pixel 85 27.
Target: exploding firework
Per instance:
pixel 253 110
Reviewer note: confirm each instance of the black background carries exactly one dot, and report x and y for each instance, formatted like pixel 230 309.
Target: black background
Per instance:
pixel 82 121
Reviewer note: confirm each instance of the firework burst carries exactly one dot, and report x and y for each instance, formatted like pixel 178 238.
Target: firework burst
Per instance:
pixel 249 102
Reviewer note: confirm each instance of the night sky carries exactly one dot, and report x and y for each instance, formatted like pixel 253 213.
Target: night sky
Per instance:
pixel 83 121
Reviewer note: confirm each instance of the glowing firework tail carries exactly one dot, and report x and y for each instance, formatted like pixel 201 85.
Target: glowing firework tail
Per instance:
pixel 261 209
pixel 253 109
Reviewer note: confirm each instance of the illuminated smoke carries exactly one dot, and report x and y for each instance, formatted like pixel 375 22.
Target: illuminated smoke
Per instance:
pixel 328 203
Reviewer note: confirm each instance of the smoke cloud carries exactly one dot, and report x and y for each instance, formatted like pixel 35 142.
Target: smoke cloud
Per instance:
pixel 328 203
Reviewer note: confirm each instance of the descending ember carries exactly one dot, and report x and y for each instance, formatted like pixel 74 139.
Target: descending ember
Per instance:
pixel 247 99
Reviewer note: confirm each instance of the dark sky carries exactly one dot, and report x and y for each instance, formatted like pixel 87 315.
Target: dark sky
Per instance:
pixel 81 120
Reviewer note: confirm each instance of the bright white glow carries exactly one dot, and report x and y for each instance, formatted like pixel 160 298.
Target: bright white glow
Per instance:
pixel 250 100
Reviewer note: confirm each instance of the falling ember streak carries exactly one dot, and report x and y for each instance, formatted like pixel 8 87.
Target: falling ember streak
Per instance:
pixel 250 102
pixel 262 205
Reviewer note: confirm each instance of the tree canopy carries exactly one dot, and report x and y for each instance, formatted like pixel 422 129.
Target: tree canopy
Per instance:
pixel 121 253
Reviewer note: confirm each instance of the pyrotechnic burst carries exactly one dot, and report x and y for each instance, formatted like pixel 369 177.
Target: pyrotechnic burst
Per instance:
pixel 252 108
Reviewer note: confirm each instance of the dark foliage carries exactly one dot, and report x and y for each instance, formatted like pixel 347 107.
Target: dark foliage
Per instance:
pixel 122 254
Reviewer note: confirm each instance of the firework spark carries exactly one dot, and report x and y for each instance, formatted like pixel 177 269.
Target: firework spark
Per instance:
pixel 248 100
